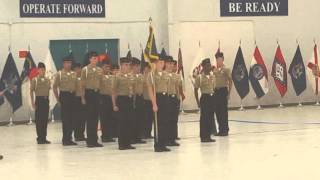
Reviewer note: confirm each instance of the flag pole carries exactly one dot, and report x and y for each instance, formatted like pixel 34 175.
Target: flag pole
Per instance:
pixel 241 105
pixel 259 107
pixel 281 98
pixel 181 102
pixel 11 119
pixel 30 116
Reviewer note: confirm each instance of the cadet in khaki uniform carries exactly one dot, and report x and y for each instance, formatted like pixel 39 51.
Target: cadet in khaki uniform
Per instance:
pixel 158 92
pixel 90 81
pixel 64 87
pixel 105 109
pixel 79 120
pixel 148 112
pixel 223 89
pixel 206 83
pixel 180 97
pixel 122 100
pixel 40 87
pixel 138 102
pixel 173 91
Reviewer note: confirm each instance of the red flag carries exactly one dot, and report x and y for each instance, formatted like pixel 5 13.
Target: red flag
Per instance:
pixel 33 73
pixel 180 64
pixel 279 72
pixel 23 54
pixel 103 57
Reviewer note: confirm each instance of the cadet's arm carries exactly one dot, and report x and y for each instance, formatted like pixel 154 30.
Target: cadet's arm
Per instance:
pixel 32 95
pixel 152 96
pixel 183 97
pixel 114 97
pixel 196 95
pixel 55 89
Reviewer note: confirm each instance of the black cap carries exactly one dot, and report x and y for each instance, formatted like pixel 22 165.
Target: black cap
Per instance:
pixel 205 61
pixel 163 55
pixel 219 55
pixel 175 62
pixel 41 65
pixel 169 59
pixel 124 60
pixel 76 65
pixel 135 61
pixel 92 54
pixel 68 58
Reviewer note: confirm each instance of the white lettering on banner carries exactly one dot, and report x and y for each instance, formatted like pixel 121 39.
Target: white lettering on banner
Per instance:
pixel 82 9
pixel 235 7
pixel 41 8
pixel 279 72
pixel 262 7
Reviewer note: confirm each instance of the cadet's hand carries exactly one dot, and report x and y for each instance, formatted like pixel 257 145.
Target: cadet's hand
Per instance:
pixel 183 97
pixel 155 108
pixel 115 108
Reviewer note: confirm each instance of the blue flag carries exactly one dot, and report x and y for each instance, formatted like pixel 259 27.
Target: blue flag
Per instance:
pixel 11 83
pixel 297 72
pixel 240 75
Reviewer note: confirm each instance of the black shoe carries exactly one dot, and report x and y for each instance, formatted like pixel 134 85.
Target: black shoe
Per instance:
pixel 126 147
pixel 69 143
pixel 1 157
pixel 44 142
pixel 161 149
pixel 106 140
pixel 177 138
pixel 208 140
pixel 223 134
pixel 94 145
pixel 81 139
pixel 173 143
pixel 149 137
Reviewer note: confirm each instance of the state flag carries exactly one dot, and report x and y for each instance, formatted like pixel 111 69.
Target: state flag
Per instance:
pixel 297 72
pixel 279 72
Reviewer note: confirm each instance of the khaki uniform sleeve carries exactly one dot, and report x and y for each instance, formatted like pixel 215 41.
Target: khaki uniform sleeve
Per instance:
pixel 150 80
pixel 197 82
pixel 83 77
pixel 56 82
pixel 228 71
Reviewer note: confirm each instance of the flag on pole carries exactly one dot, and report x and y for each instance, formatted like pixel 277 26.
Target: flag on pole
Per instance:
pixel 51 71
pixel 151 52
pixel 196 67
pixel 143 63
pixel 180 63
pixel 297 72
pixel 258 74
pixel 313 63
pixel 29 67
pixel 10 83
pixel 279 72
pixel 240 75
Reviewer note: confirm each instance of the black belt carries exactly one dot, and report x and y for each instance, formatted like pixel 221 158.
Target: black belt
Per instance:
pixel 42 97
pixel 125 96
pixel 207 94
pixel 220 88
pixel 162 93
pixel 92 90
pixel 173 95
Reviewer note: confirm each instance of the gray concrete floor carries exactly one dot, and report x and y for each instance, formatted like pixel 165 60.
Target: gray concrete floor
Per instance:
pixel 270 144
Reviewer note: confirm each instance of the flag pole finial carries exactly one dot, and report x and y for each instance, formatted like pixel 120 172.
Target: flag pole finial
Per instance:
pixel 219 43
pixel 29 47
pixel 179 43
pixel 199 44
pixel 297 41
pixel 9 48
pixel 141 45
pixel 240 42
pixel 255 42
pixel 129 46
pixel 314 41
pixel 277 41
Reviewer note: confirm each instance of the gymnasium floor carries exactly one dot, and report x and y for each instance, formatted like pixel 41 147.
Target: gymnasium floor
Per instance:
pixel 270 144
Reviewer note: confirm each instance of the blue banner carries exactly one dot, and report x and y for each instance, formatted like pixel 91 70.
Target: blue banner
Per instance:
pixel 62 8
pixel 254 7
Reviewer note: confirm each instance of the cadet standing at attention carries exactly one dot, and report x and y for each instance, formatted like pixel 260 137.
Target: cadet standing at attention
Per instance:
pixel 79 120
pixel 138 102
pixel 223 89
pixel 105 108
pixel 158 92
pixel 206 83
pixel 40 87
pixel 90 81
pixel 173 104
pixel 122 101
pixel 64 87
pixel 148 112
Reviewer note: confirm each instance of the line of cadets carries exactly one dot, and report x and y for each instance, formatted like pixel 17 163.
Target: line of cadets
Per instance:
pixel 127 102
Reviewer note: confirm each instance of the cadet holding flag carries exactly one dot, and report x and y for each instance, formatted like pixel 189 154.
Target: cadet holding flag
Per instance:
pixel 64 87
pixel 148 112
pixel 222 93
pixel 90 81
pixel 158 91
pixel 122 101
pixel 39 94
pixel 206 83
pixel 105 109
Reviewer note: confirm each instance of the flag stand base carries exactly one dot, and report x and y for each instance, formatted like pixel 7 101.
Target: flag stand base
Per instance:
pixel 30 122
pixel 52 117
pixel 259 108
pixel 317 103
pixel 241 108
pixel 300 104
pixel 281 105
pixel 10 122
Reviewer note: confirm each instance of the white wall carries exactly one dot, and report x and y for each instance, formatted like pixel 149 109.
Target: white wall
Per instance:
pixel 301 24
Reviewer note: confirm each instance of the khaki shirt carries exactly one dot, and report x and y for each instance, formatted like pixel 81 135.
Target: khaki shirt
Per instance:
pixel 40 86
pixel 223 77
pixel 206 83
pixel 139 86
pixel 106 85
pixel 145 88
pixel 91 77
pixel 174 83
pixel 65 81
pixel 160 80
pixel 124 85
pixel 78 87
